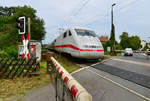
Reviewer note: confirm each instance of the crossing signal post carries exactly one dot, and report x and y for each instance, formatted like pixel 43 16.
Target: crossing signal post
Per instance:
pixel 21 29
pixel 21 25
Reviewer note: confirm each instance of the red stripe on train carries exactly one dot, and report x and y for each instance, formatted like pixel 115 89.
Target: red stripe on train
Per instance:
pixel 76 48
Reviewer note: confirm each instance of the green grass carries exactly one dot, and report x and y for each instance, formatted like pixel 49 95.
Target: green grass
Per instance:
pixel 67 63
pixel 20 86
pixel 70 68
pixel 108 55
pixel 119 54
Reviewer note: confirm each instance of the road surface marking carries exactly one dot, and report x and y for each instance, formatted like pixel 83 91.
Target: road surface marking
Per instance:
pixel 102 61
pixel 121 86
pixel 132 91
pixel 79 70
pixel 85 67
pixel 133 62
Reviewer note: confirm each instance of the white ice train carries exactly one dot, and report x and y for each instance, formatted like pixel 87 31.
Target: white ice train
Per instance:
pixel 79 43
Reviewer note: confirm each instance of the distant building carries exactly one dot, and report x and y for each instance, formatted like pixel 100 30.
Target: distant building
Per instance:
pixel 103 40
pixel 148 45
pixel 143 44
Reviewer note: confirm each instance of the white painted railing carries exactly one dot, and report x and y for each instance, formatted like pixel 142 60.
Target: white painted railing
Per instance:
pixel 65 84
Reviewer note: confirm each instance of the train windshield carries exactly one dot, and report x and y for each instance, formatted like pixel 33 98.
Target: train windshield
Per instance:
pixel 83 32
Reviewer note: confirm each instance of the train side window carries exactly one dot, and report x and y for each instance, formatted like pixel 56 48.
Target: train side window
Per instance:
pixel 65 34
pixel 70 33
pixel 55 40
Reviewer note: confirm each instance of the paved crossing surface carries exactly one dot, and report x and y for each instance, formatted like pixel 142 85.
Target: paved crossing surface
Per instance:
pixel 140 79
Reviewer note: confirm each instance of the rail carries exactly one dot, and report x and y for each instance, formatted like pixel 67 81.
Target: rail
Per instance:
pixel 67 88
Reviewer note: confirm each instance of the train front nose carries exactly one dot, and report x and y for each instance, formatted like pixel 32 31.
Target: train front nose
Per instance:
pixel 91 48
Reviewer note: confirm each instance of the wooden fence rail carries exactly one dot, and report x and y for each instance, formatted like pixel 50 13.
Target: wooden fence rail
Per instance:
pixel 10 68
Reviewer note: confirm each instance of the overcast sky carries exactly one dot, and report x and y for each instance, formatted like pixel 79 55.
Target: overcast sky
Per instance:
pixel 132 16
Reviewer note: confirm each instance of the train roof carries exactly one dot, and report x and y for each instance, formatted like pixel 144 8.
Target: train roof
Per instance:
pixel 81 28
pixel 76 28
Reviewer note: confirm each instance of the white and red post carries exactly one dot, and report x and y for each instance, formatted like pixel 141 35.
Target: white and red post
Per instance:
pixel 25 50
pixel 21 29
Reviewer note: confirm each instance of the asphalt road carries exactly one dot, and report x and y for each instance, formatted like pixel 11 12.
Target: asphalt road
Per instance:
pixel 118 79
pixel 128 77
pixel 133 71
pixel 102 89
pixel 46 93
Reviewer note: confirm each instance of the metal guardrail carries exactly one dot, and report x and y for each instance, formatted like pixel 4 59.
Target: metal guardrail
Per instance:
pixel 134 51
pixel 67 88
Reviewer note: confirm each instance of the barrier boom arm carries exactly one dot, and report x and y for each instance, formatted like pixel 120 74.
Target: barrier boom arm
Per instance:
pixel 79 93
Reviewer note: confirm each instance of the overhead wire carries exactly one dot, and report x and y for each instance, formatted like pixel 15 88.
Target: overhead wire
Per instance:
pixel 105 15
pixel 75 8
pixel 75 13
pixel 85 2
pixel 130 3
pixel 125 6
pixel 67 21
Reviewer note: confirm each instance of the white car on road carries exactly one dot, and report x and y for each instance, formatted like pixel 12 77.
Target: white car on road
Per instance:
pixel 128 52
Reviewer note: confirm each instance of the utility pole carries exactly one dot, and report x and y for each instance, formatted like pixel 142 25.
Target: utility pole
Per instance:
pixel 29 33
pixel 29 27
pixel 112 17
pixel 112 37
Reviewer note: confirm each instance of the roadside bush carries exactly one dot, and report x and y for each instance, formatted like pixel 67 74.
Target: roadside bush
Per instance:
pixel 3 54
pixel 11 51
pixel 118 47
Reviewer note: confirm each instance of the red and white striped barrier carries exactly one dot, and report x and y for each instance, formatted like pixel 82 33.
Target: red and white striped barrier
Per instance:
pixel 25 43
pixel 78 92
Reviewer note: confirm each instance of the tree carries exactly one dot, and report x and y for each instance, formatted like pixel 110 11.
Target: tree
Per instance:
pixel 124 40
pixel 112 37
pixel 8 16
pixel 133 42
pixel 8 32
